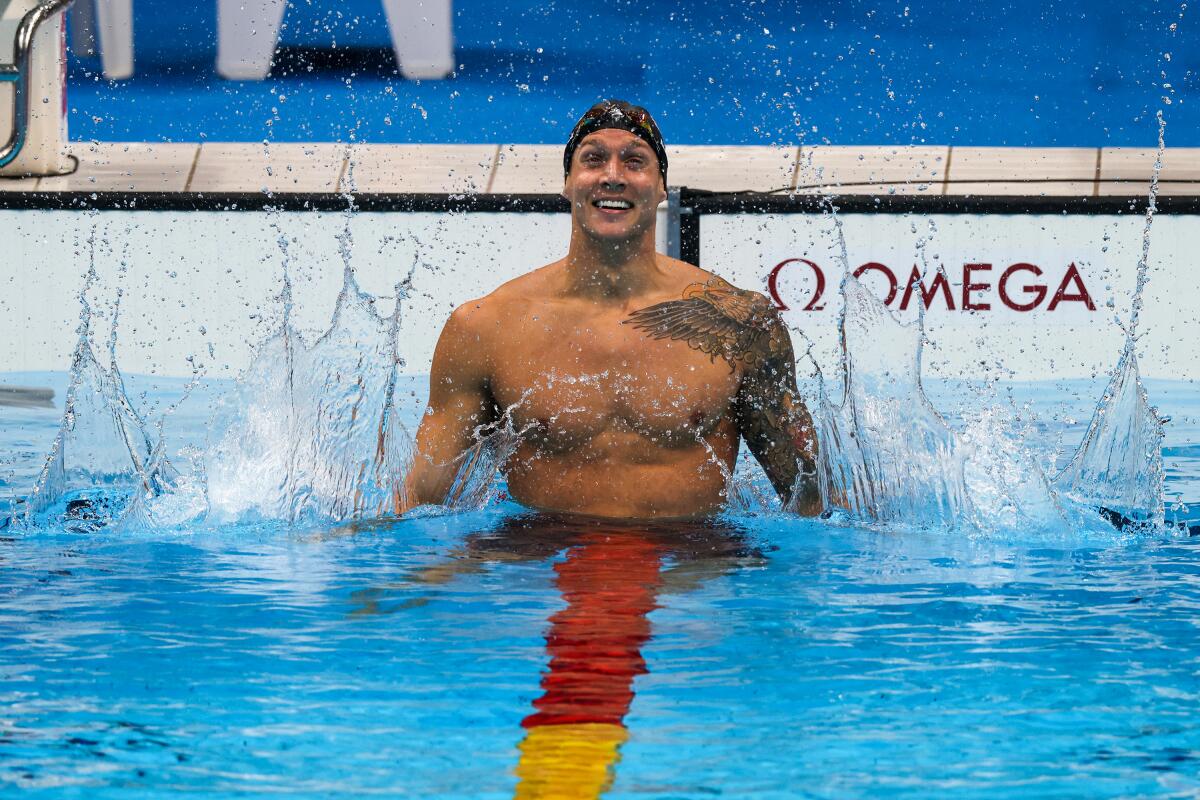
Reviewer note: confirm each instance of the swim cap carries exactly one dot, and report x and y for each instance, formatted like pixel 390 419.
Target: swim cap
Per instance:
pixel 617 114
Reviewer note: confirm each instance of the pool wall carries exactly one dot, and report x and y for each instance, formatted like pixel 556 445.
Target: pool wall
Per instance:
pixel 1038 247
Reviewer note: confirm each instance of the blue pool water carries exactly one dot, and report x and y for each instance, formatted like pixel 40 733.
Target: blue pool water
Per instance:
pixel 840 663
pixel 765 656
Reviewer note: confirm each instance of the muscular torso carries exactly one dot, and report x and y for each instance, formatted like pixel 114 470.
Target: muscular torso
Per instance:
pixel 615 423
pixel 627 406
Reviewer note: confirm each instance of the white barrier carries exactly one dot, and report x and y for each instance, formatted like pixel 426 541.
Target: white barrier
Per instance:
pixel 196 279
pixel 1025 297
pixel 1020 297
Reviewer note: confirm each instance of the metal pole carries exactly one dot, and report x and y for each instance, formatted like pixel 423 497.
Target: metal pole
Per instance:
pixel 674 239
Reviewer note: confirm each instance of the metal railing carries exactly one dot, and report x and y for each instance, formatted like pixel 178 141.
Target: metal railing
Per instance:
pixel 17 73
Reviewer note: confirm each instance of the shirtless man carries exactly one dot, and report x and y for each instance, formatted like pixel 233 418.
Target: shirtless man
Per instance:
pixel 632 375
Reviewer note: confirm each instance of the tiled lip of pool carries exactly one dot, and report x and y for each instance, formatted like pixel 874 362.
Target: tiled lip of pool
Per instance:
pixel 482 655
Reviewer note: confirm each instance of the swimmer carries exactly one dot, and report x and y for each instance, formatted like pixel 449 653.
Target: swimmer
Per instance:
pixel 632 376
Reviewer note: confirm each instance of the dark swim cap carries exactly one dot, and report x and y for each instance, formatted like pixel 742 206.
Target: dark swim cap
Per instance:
pixel 622 115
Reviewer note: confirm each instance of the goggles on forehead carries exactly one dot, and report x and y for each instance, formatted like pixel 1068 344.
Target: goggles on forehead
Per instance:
pixel 623 116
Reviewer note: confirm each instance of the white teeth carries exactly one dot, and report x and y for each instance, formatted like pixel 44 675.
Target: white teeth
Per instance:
pixel 622 204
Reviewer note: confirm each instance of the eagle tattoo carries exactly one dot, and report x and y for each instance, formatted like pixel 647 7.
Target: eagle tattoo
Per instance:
pixel 743 327
pixel 718 319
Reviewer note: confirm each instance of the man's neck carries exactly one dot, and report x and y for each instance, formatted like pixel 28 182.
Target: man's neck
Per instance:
pixel 607 272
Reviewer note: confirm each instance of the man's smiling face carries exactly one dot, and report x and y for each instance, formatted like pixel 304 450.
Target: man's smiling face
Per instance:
pixel 614 185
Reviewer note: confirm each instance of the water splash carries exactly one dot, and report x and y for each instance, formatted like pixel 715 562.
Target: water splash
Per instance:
pixel 478 477
pixel 1119 464
pixel 886 454
pixel 314 433
pixel 310 434
pixel 889 457
pixel 102 463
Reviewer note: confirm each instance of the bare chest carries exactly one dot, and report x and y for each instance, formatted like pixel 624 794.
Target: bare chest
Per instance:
pixel 568 381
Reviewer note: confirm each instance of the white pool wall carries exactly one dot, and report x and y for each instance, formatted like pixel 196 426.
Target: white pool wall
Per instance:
pixel 195 279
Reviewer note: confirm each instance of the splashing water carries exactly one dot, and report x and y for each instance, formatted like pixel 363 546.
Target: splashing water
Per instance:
pixel 1119 465
pixel 102 465
pixel 888 456
pixel 310 434
pixel 477 479
pixel 314 433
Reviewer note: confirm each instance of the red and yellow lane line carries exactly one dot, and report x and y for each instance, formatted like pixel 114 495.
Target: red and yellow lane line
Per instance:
pixel 610 582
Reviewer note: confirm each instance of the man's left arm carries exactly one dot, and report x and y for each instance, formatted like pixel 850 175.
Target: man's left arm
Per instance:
pixel 772 418
pixel 746 330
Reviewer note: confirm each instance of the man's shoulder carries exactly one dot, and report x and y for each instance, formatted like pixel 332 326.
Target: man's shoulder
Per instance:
pixel 525 288
pixel 701 284
pixel 502 303
pixel 716 317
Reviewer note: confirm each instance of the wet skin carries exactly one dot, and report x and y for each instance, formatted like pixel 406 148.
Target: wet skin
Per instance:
pixel 632 376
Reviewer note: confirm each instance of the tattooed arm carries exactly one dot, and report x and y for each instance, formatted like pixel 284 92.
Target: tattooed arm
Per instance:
pixel 746 330
pixel 774 422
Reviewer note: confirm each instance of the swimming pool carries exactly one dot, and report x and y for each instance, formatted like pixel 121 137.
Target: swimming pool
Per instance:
pixel 494 653
pixel 490 652
pixel 186 611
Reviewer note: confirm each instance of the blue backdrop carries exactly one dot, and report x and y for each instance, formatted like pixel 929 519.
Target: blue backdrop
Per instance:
pixel 1005 73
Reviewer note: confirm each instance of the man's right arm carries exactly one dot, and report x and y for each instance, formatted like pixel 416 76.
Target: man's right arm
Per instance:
pixel 459 405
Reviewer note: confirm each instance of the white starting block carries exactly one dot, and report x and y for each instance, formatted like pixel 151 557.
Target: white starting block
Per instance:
pixel 105 26
pixel 248 32
pixel 33 79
